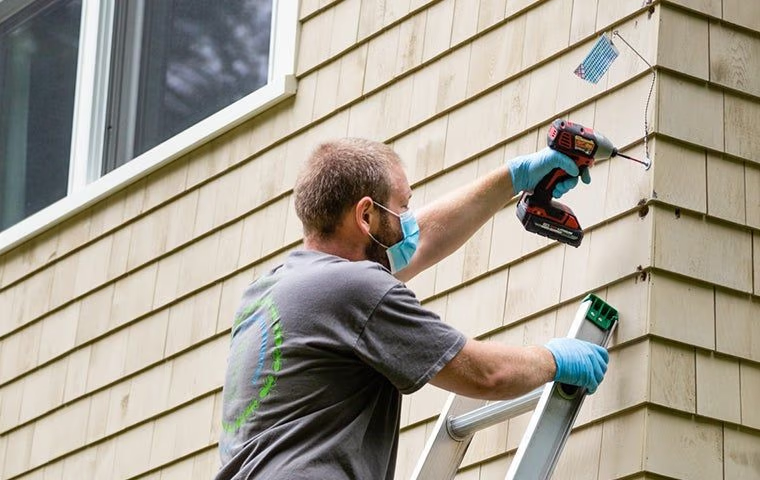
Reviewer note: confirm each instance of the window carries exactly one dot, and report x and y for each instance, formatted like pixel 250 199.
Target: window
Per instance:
pixel 88 86
pixel 38 67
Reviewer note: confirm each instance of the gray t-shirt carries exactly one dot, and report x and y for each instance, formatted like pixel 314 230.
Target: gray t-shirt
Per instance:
pixel 320 349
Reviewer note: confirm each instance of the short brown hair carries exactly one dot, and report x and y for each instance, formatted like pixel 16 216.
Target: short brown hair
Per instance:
pixel 336 176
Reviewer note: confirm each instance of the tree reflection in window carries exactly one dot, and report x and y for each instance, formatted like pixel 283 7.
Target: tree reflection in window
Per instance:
pixel 195 58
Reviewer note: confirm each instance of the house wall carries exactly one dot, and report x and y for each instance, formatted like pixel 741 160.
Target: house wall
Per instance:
pixel 115 324
pixel 704 315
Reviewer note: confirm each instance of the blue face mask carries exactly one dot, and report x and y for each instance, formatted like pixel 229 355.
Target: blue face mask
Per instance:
pixel 400 254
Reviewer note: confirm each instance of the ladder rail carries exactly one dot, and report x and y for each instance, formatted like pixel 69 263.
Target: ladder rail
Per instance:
pixel 443 454
pixel 552 421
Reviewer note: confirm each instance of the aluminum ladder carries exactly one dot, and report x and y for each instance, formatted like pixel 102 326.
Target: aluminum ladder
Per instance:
pixel 556 407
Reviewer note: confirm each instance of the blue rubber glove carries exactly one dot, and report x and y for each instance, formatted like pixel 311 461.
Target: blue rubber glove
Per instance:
pixel 579 362
pixel 528 170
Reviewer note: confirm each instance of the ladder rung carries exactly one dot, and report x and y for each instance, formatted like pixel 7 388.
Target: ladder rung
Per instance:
pixel 467 424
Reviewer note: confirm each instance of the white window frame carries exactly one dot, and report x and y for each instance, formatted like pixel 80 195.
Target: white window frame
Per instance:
pixel 86 185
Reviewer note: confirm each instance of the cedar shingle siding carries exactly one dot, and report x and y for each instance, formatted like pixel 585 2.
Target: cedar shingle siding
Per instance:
pixel 115 323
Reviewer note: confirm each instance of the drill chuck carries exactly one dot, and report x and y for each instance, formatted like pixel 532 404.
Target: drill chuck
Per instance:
pixel 604 148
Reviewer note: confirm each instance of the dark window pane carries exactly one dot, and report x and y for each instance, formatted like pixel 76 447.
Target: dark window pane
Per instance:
pixel 195 58
pixel 38 66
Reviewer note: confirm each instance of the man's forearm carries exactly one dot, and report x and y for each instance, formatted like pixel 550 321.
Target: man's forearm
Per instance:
pixel 447 223
pixel 494 371
pixel 520 370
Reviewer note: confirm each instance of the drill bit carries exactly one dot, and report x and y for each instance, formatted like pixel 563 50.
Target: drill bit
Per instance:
pixel 647 163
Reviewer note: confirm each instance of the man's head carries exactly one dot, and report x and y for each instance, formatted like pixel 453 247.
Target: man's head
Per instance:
pixel 337 192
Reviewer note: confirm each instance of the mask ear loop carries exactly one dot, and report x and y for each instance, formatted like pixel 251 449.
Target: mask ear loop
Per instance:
pixel 370 234
pixel 386 209
pixel 647 158
pixel 378 241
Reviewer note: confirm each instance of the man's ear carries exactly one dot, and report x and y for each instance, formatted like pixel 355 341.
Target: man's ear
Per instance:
pixel 363 213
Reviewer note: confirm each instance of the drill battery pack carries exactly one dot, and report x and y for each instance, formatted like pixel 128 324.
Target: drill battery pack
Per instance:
pixel 553 220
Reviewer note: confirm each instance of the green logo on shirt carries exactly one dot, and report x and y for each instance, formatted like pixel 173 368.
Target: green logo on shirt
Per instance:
pixel 255 315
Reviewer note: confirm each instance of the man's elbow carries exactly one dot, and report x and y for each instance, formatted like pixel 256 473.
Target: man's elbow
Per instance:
pixel 483 384
pixel 496 385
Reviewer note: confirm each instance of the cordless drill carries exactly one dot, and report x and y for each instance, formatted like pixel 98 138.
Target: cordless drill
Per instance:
pixel 536 210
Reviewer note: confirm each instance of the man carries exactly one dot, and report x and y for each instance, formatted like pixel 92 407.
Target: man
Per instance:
pixel 324 345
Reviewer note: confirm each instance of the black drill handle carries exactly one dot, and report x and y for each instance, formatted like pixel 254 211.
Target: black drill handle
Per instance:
pixel 543 191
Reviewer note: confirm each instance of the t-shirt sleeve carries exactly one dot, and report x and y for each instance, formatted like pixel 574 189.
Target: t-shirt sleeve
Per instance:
pixel 405 342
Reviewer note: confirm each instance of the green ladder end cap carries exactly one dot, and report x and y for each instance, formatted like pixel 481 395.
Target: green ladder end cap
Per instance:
pixel 600 312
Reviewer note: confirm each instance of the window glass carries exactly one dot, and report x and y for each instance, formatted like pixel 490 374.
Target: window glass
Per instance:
pixel 178 61
pixel 38 67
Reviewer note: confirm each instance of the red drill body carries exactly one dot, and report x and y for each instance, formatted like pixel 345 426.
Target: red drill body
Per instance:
pixel 536 210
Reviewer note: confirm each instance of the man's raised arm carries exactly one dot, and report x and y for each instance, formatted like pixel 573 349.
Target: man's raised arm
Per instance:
pixel 447 223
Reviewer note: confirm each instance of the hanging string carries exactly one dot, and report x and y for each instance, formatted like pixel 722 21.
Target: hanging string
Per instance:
pixel 649 97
